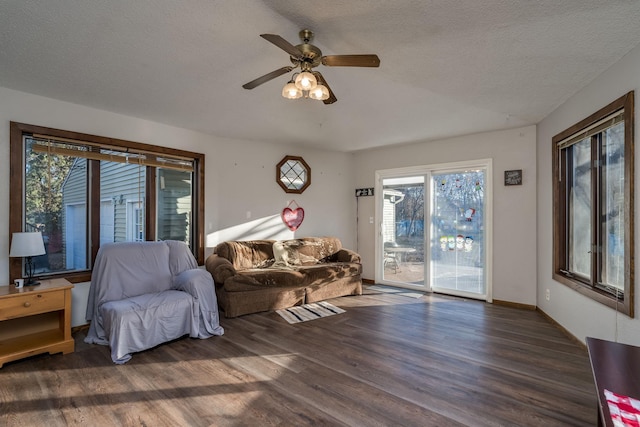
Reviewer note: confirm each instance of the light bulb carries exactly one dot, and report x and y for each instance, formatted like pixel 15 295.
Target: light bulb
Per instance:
pixel 306 81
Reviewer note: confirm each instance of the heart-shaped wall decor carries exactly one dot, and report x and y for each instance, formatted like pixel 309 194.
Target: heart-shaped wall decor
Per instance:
pixel 293 217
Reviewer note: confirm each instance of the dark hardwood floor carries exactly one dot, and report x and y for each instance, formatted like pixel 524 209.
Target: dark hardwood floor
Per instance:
pixel 390 360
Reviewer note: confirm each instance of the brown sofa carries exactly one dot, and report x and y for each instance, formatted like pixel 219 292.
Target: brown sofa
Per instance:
pixel 251 277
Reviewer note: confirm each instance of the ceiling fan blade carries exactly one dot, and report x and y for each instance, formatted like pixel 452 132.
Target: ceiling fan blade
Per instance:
pixel 351 60
pixel 332 98
pixel 282 44
pixel 270 76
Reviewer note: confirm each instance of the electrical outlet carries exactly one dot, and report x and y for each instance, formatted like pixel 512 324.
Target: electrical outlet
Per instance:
pixel 547 295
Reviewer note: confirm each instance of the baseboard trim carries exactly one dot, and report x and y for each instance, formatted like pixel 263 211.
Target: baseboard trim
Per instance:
pixel 368 281
pixel 562 329
pixel 514 304
pixel 546 316
pixel 79 328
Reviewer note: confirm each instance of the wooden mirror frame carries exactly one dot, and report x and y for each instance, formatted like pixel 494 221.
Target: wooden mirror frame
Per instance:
pixel 285 174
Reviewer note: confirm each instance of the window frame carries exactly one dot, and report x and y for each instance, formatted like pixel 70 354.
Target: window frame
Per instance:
pixel 560 207
pixel 16 191
pixel 282 176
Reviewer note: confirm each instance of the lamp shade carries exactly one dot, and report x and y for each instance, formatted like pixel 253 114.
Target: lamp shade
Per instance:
pixel 290 91
pixel 27 244
pixel 320 93
pixel 306 81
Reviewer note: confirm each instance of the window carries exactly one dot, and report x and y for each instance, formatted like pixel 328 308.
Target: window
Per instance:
pixel 135 222
pixel 293 174
pixel 593 173
pixel 82 191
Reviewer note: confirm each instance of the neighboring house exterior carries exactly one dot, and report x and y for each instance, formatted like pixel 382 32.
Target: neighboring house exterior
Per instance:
pixel 122 202
pixel 391 199
pixel 74 216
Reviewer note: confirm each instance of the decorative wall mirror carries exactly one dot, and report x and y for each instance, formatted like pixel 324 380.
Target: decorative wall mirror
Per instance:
pixel 293 174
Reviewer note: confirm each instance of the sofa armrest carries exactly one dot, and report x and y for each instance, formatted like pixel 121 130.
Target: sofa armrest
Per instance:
pixel 193 282
pixel 220 268
pixel 199 284
pixel 347 255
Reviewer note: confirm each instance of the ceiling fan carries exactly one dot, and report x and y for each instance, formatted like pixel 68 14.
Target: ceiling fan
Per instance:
pixel 308 82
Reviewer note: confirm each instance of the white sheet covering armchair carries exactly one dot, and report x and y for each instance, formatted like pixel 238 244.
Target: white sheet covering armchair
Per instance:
pixel 146 293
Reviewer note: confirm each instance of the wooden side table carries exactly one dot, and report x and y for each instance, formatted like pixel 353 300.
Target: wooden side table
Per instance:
pixel 615 368
pixel 35 320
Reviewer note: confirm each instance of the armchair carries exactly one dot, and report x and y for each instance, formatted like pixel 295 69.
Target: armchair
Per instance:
pixel 143 294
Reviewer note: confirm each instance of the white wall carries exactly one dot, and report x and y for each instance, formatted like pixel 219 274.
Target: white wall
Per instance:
pixel 514 207
pixel 245 176
pixel 239 176
pixel 580 315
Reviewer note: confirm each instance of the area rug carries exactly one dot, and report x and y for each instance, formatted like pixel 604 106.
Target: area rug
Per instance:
pixel 304 313
pixel 396 291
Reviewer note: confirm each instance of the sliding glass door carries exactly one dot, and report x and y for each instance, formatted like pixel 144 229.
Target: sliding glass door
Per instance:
pixel 435 228
pixel 458 255
pixel 403 230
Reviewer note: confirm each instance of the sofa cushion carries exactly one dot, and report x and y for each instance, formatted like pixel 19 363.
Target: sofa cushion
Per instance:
pixel 309 250
pixel 321 248
pixel 324 273
pixel 180 257
pixel 266 277
pixel 291 277
pixel 144 263
pixel 247 254
pixel 287 253
pixel 144 321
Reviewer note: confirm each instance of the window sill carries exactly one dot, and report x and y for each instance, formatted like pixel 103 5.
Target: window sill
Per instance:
pixel 625 307
pixel 76 277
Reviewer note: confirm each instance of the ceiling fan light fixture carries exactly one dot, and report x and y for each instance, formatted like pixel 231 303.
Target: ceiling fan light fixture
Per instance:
pixel 290 91
pixel 306 57
pixel 320 93
pixel 306 81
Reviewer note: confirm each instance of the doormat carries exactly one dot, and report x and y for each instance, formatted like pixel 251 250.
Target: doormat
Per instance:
pixel 304 313
pixel 396 291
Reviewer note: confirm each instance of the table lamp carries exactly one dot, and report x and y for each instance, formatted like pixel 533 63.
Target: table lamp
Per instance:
pixel 27 245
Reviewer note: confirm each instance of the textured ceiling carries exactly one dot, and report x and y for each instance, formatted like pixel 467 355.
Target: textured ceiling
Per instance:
pixel 447 68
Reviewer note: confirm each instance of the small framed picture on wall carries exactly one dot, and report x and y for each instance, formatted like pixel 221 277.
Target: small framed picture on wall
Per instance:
pixel 513 177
